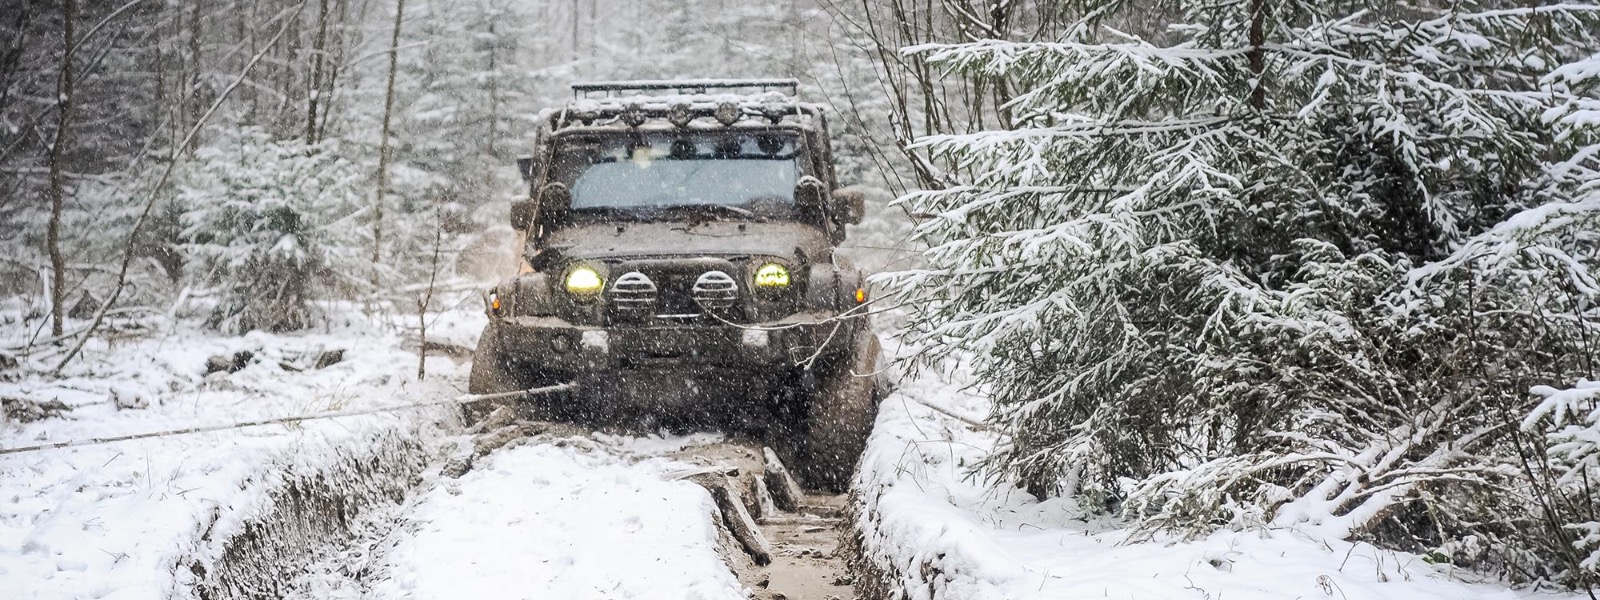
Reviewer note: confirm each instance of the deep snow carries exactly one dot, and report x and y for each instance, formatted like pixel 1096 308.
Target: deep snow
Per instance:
pixel 938 534
pixel 573 517
pixel 149 518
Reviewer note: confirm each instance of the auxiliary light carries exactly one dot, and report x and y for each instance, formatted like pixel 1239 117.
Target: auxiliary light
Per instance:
pixel 772 275
pixel 584 281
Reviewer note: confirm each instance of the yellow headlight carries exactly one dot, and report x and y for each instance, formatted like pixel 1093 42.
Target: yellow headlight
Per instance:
pixel 584 281
pixel 772 275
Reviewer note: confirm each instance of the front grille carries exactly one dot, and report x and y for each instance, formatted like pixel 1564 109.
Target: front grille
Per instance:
pixel 686 290
pixel 715 290
pixel 633 292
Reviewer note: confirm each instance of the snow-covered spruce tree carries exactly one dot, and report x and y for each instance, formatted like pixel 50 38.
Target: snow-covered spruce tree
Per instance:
pixel 1295 263
pixel 1562 458
pixel 268 223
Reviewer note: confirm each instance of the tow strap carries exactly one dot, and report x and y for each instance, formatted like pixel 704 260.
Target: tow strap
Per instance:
pixel 463 399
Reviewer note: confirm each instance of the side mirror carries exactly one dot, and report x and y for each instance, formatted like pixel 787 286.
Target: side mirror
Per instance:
pixel 850 205
pixel 522 214
pixel 554 202
pixel 528 167
pixel 809 193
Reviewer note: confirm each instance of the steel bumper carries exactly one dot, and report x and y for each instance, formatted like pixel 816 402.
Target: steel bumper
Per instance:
pixel 554 345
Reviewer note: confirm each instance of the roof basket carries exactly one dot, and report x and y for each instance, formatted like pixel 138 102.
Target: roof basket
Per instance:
pixel 682 86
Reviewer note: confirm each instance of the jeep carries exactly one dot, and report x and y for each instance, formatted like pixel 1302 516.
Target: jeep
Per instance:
pixel 679 264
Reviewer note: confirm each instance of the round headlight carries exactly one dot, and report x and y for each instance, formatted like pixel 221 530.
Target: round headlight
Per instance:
pixel 584 281
pixel 772 275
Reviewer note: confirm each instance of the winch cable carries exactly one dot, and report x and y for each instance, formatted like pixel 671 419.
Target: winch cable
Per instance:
pixel 463 399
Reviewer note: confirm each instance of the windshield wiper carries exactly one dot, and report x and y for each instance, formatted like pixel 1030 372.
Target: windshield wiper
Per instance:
pixel 713 209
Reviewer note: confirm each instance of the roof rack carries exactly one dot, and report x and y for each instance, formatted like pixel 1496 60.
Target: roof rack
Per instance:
pixel 683 86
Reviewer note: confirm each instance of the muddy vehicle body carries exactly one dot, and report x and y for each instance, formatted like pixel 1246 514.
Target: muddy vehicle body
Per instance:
pixel 679 264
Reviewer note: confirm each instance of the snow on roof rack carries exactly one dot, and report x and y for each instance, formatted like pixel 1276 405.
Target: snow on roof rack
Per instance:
pixel 683 86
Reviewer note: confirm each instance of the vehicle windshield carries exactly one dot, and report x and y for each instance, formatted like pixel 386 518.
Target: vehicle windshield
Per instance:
pixel 723 174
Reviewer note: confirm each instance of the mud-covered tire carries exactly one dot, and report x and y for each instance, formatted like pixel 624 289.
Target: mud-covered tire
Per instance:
pixel 840 417
pixel 493 373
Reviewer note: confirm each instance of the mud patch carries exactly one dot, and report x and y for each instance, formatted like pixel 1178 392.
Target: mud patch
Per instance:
pixel 808 560
pixel 304 511
pixel 801 531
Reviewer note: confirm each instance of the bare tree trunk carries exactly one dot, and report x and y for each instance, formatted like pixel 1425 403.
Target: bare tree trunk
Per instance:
pixel 319 51
pixel 1257 55
pixel 330 80
pixel 494 96
pixel 383 148
pixel 427 298
pixel 284 115
pixel 254 95
pixel 58 263
pixel 192 78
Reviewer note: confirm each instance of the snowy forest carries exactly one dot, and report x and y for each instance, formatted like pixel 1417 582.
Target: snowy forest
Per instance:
pixel 1216 277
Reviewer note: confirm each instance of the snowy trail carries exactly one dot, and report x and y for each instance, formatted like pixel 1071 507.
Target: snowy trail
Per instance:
pixel 577 515
pixel 560 520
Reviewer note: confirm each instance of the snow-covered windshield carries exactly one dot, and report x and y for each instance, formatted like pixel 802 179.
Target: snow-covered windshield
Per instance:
pixel 754 173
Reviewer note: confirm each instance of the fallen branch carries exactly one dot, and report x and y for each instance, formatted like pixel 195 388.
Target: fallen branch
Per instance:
pixel 970 421
pixel 29 347
pixel 735 517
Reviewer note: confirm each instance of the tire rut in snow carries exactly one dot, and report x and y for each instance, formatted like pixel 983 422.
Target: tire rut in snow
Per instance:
pixel 807 562
pixel 794 535
pixel 800 531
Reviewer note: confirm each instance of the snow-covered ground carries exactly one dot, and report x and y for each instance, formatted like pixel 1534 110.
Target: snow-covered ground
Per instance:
pixel 934 533
pixel 286 510
pixel 155 517
pixel 561 516
pixel 361 510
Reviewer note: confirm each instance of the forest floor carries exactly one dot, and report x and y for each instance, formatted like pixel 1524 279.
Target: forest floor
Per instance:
pixel 409 504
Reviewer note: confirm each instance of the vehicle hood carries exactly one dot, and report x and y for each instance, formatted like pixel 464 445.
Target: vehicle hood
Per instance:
pixel 792 241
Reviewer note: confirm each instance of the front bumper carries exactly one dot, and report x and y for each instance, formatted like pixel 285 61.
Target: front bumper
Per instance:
pixel 555 346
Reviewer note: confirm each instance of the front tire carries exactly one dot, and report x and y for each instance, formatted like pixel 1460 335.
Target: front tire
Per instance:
pixel 840 416
pixel 493 372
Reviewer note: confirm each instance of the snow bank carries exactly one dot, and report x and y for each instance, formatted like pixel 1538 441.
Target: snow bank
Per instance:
pixel 925 532
pixel 574 518
pixel 224 514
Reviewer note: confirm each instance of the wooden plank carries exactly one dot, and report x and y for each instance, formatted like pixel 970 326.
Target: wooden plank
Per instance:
pixel 786 493
pixel 736 518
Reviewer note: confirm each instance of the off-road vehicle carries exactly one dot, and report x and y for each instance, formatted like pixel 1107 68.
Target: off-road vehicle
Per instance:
pixel 679 263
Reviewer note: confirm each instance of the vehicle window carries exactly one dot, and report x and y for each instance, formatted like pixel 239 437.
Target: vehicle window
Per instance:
pixel 752 171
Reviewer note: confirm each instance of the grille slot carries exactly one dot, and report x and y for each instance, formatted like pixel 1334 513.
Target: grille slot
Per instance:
pixel 715 290
pixel 633 292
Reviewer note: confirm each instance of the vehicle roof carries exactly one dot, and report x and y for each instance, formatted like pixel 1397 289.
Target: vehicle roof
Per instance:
pixel 689 104
pixel 683 86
